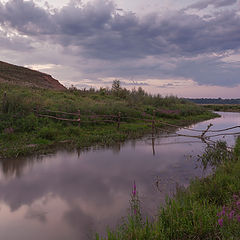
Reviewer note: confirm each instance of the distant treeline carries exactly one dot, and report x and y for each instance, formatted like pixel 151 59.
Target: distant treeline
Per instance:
pixel 214 100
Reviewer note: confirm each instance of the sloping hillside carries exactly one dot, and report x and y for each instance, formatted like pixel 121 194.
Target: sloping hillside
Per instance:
pixel 23 76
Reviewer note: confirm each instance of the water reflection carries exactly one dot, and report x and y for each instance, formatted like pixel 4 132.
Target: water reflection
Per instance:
pixel 72 194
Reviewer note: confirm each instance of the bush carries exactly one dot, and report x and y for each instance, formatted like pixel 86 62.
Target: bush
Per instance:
pixel 48 133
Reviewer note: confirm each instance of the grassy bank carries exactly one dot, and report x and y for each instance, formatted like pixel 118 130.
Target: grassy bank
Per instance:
pixel 208 209
pixel 22 132
pixel 222 107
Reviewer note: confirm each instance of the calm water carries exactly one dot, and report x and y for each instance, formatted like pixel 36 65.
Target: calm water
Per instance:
pixel 71 195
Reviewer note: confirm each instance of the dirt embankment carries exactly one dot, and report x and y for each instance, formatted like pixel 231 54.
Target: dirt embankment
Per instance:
pixel 18 75
pixel 53 83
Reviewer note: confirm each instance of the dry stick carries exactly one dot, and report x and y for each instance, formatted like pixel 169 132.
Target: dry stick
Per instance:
pixel 207 142
pixel 75 114
pixel 112 121
pixel 195 130
pixel 153 146
pixel 223 134
pixel 119 118
pixel 176 126
pixel 100 121
pixel 145 120
pixel 92 116
pixel 105 120
pixel 153 122
pixel 63 119
pixel 204 132
pixel 79 118
pixel 172 143
pixel 226 129
pixel 180 135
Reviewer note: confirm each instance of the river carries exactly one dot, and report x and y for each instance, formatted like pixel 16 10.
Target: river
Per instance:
pixel 72 194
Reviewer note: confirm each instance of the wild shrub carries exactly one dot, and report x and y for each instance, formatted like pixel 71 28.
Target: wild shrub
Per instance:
pixel 27 124
pixel 48 133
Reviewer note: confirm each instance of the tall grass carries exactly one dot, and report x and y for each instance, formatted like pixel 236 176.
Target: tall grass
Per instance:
pixel 21 128
pixel 134 102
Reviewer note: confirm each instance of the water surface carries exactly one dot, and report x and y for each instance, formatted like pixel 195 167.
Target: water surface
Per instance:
pixel 71 195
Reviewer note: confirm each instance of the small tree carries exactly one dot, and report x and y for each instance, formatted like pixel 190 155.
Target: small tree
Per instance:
pixel 116 87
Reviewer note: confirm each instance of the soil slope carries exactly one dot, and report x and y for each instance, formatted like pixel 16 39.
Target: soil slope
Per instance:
pixel 23 76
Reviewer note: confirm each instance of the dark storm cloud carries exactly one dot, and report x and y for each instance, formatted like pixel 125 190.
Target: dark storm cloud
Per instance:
pixel 25 17
pixel 98 30
pixel 205 3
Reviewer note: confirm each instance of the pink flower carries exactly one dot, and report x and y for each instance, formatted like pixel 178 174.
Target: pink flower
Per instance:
pixel 223 211
pixel 135 211
pixel 220 222
pixel 134 192
pixel 231 214
pixel 235 197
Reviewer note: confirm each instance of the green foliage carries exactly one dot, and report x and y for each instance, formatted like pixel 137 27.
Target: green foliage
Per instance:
pixel 28 123
pixel 116 86
pixel 19 103
pixel 215 155
pixel 48 133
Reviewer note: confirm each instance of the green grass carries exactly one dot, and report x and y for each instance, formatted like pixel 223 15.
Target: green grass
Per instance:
pixel 208 209
pixel 24 133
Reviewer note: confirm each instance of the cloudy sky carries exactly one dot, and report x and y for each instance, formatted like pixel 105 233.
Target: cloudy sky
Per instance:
pixel 186 48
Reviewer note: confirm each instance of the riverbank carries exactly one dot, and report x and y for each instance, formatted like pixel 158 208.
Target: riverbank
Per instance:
pixel 23 132
pixel 49 137
pixel 222 107
pixel 208 209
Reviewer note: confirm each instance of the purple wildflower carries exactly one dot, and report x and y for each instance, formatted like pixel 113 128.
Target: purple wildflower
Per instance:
pixel 223 211
pixel 134 192
pixel 135 211
pixel 235 197
pixel 220 222
pixel 231 214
